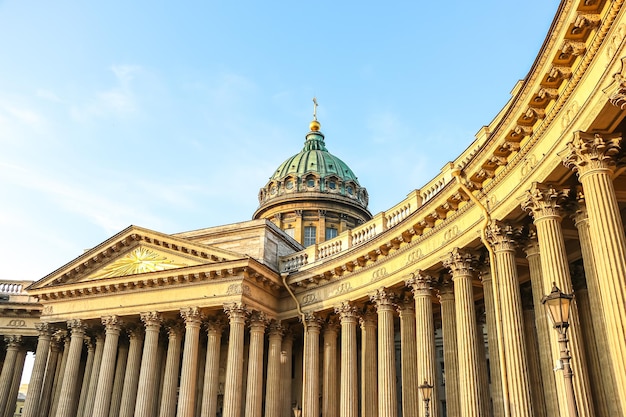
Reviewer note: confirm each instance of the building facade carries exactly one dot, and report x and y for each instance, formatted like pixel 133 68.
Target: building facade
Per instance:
pixel 444 288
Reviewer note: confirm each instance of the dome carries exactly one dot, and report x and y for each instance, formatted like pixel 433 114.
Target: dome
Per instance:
pixel 314 170
pixel 313 196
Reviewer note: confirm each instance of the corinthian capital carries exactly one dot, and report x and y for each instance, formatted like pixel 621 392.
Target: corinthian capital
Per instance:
pixel 545 201
pixel 503 236
pixel 420 283
pixel 383 298
pixel 589 151
pixel 459 262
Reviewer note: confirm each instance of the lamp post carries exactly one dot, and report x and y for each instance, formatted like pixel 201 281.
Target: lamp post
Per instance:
pixel 427 390
pixel 558 305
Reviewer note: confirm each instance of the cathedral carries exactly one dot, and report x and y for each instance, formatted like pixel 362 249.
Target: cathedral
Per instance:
pixel 441 305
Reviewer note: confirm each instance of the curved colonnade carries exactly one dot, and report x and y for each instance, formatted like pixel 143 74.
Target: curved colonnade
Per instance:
pixel 444 288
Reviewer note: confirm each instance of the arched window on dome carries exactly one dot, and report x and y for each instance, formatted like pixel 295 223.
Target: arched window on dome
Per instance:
pixel 333 184
pixel 310 182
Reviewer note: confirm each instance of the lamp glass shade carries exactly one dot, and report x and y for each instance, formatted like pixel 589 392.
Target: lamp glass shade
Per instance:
pixel 558 306
pixel 427 390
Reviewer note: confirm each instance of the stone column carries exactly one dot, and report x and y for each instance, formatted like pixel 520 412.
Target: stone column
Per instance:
pixel 387 390
pixel 118 381
pixel 330 395
pixel 254 389
pixel 31 405
pixel 369 363
pixel 212 368
pixel 273 389
pixel 311 388
pixel 422 286
pixel 596 372
pixel 541 325
pixel 131 376
pixel 594 158
pixel 86 376
pixel 13 346
pixel 544 204
pixel 503 238
pixel 349 389
pixel 48 383
pixel 237 314
pixel 147 387
pixel 532 348
pixel 460 264
pixel 450 357
pixel 493 343
pixel 102 401
pixel 60 373
pixel 600 347
pixel 200 380
pixel 188 375
pixel 95 375
pixel 15 382
pixel 482 361
pixel 286 366
pixel 68 391
pixel 408 348
pixel 169 395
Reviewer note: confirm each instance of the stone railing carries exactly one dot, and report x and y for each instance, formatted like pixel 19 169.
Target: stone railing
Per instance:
pixel 14 291
pixel 355 237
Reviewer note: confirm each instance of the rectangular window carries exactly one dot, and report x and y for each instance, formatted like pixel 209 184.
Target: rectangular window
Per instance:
pixel 309 235
pixel 330 233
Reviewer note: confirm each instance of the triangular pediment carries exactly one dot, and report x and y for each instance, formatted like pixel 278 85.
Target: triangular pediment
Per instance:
pixel 140 260
pixel 134 251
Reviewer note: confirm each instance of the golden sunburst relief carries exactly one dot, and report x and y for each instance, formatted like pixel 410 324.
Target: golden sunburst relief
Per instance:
pixel 139 261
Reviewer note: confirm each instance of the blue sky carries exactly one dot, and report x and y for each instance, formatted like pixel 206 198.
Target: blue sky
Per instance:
pixel 172 115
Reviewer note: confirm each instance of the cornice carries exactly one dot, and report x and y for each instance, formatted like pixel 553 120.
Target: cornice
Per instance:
pixel 248 268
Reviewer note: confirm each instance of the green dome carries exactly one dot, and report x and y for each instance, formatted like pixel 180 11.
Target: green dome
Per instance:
pixel 314 171
pixel 315 158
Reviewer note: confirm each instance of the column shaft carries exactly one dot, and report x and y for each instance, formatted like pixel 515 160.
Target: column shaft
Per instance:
pixel 311 364
pixel 369 365
pixel 492 341
pixel 450 357
pixel 211 370
pixel 15 383
pixel 503 239
pixel 349 393
pixel 387 389
pixel 10 360
pixel 86 376
pixel 234 365
pixel 425 333
pixel 593 156
pixel 118 381
pixel 542 327
pixel 147 387
pixel 68 391
pixel 35 386
pixel 534 366
pixel 286 366
pixel 330 396
pixel 102 400
pixel 48 384
pixel 188 376
pixel 131 376
pixel 254 392
pixel 469 378
pixel 169 395
pixel 273 389
pixel 95 375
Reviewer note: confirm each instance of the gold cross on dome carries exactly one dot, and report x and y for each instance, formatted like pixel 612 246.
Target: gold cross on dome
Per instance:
pixel 314 108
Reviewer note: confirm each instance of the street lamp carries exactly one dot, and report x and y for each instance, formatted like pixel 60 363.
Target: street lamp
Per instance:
pixel 297 411
pixel 427 391
pixel 558 305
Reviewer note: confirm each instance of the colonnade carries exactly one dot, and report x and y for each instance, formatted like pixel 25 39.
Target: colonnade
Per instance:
pixel 342 361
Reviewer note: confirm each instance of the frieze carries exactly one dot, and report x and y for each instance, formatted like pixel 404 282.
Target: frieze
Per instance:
pixel 528 165
pixel 16 323
pixel 47 310
pixel 238 289
pixel 450 234
pixel 413 256
pixel 378 274
pixel 342 288
pixel 308 299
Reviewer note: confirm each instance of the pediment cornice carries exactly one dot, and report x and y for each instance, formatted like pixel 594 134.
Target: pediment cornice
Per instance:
pixel 247 269
pixel 89 262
